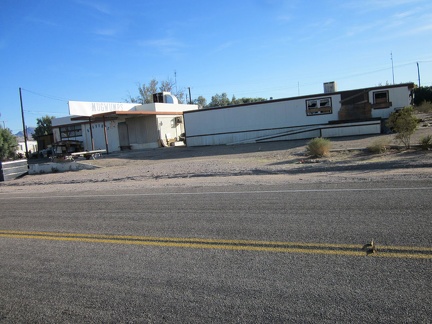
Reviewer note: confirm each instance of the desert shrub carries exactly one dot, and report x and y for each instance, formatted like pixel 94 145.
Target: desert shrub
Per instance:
pixel 319 147
pixel 379 146
pixel 426 142
pixel 404 123
pixel 19 155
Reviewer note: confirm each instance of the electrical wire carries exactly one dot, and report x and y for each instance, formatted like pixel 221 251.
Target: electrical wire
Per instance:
pixel 46 95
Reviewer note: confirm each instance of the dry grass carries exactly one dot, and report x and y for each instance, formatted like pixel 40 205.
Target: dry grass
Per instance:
pixel 319 147
pixel 425 107
pixel 379 146
pixel 426 142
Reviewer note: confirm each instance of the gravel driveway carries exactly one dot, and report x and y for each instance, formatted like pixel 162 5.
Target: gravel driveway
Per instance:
pixel 268 163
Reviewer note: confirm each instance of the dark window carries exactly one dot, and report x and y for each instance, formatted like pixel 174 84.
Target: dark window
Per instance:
pixel 381 99
pixel 71 131
pixel 319 106
pixel 380 96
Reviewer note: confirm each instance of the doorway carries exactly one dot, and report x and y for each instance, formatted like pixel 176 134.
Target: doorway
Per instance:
pixel 123 136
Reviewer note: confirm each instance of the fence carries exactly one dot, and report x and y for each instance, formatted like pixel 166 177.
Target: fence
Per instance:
pixel 12 170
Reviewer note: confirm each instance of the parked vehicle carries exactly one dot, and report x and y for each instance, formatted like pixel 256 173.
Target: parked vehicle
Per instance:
pixel 46 153
pixel 65 148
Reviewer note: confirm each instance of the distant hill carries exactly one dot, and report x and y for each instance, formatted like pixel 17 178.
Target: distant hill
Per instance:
pixel 30 132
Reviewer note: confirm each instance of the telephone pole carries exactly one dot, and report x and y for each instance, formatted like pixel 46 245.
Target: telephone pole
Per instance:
pixel 24 126
pixel 418 73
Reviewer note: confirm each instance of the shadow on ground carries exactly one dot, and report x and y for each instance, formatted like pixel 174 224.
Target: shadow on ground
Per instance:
pixel 181 152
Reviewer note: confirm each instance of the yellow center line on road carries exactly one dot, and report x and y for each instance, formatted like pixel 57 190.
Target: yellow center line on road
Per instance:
pixel 243 245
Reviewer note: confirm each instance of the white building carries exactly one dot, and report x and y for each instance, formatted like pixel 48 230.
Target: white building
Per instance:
pixel 329 114
pixel 119 126
pixel 32 147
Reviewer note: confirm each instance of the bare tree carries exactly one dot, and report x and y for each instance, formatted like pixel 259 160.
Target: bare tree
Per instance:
pixel 146 91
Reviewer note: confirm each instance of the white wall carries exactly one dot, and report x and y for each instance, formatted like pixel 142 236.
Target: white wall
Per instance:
pixel 31 146
pixel 59 121
pixel 237 124
pixel 166 107
pixel 99 136
pixel 399 97
pixel 167 126
pixel 268 115
pixel 352 129
pixel 279 119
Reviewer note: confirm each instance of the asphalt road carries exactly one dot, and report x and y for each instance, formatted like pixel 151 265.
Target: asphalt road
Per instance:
pixel 227 254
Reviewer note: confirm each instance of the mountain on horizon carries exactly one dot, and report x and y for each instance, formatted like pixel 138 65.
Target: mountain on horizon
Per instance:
pixel 30 132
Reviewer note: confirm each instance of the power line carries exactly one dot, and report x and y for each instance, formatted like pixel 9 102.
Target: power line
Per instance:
pixel 43 112
pixel 46 95
pixel 313 83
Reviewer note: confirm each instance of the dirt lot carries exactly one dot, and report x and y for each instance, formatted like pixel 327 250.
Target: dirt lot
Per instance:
pixel 268 163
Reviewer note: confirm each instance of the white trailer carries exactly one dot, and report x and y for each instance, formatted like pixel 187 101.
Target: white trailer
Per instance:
pixel 334 114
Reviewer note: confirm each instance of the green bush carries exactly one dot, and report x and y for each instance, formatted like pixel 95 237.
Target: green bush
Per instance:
pixel 8 144
pixel 379 146
pixel 404 123
pixel 318 147
pixel 426 142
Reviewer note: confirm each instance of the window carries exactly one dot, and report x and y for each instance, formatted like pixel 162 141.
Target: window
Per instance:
pixel 319 106
pixel 71 131
pixel 380 96
pixel 381 99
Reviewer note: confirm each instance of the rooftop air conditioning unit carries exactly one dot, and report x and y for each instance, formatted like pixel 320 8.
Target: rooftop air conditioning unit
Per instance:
pixel 158 97
pixel 165 97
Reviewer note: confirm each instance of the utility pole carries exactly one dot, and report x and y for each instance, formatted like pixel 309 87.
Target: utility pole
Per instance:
pixel 418 73
pixel 24 126
pixel 391 57
pixel 190 98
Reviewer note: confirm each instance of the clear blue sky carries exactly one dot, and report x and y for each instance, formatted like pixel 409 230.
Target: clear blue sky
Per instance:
pixel 99 50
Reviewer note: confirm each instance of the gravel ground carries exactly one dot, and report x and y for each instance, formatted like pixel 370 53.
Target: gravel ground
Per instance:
pixel 268 163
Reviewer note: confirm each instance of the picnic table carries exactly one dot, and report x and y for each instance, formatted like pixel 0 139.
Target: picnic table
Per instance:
pixel 88 154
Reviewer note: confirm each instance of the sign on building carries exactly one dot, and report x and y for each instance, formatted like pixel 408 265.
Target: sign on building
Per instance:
pixel 82 108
